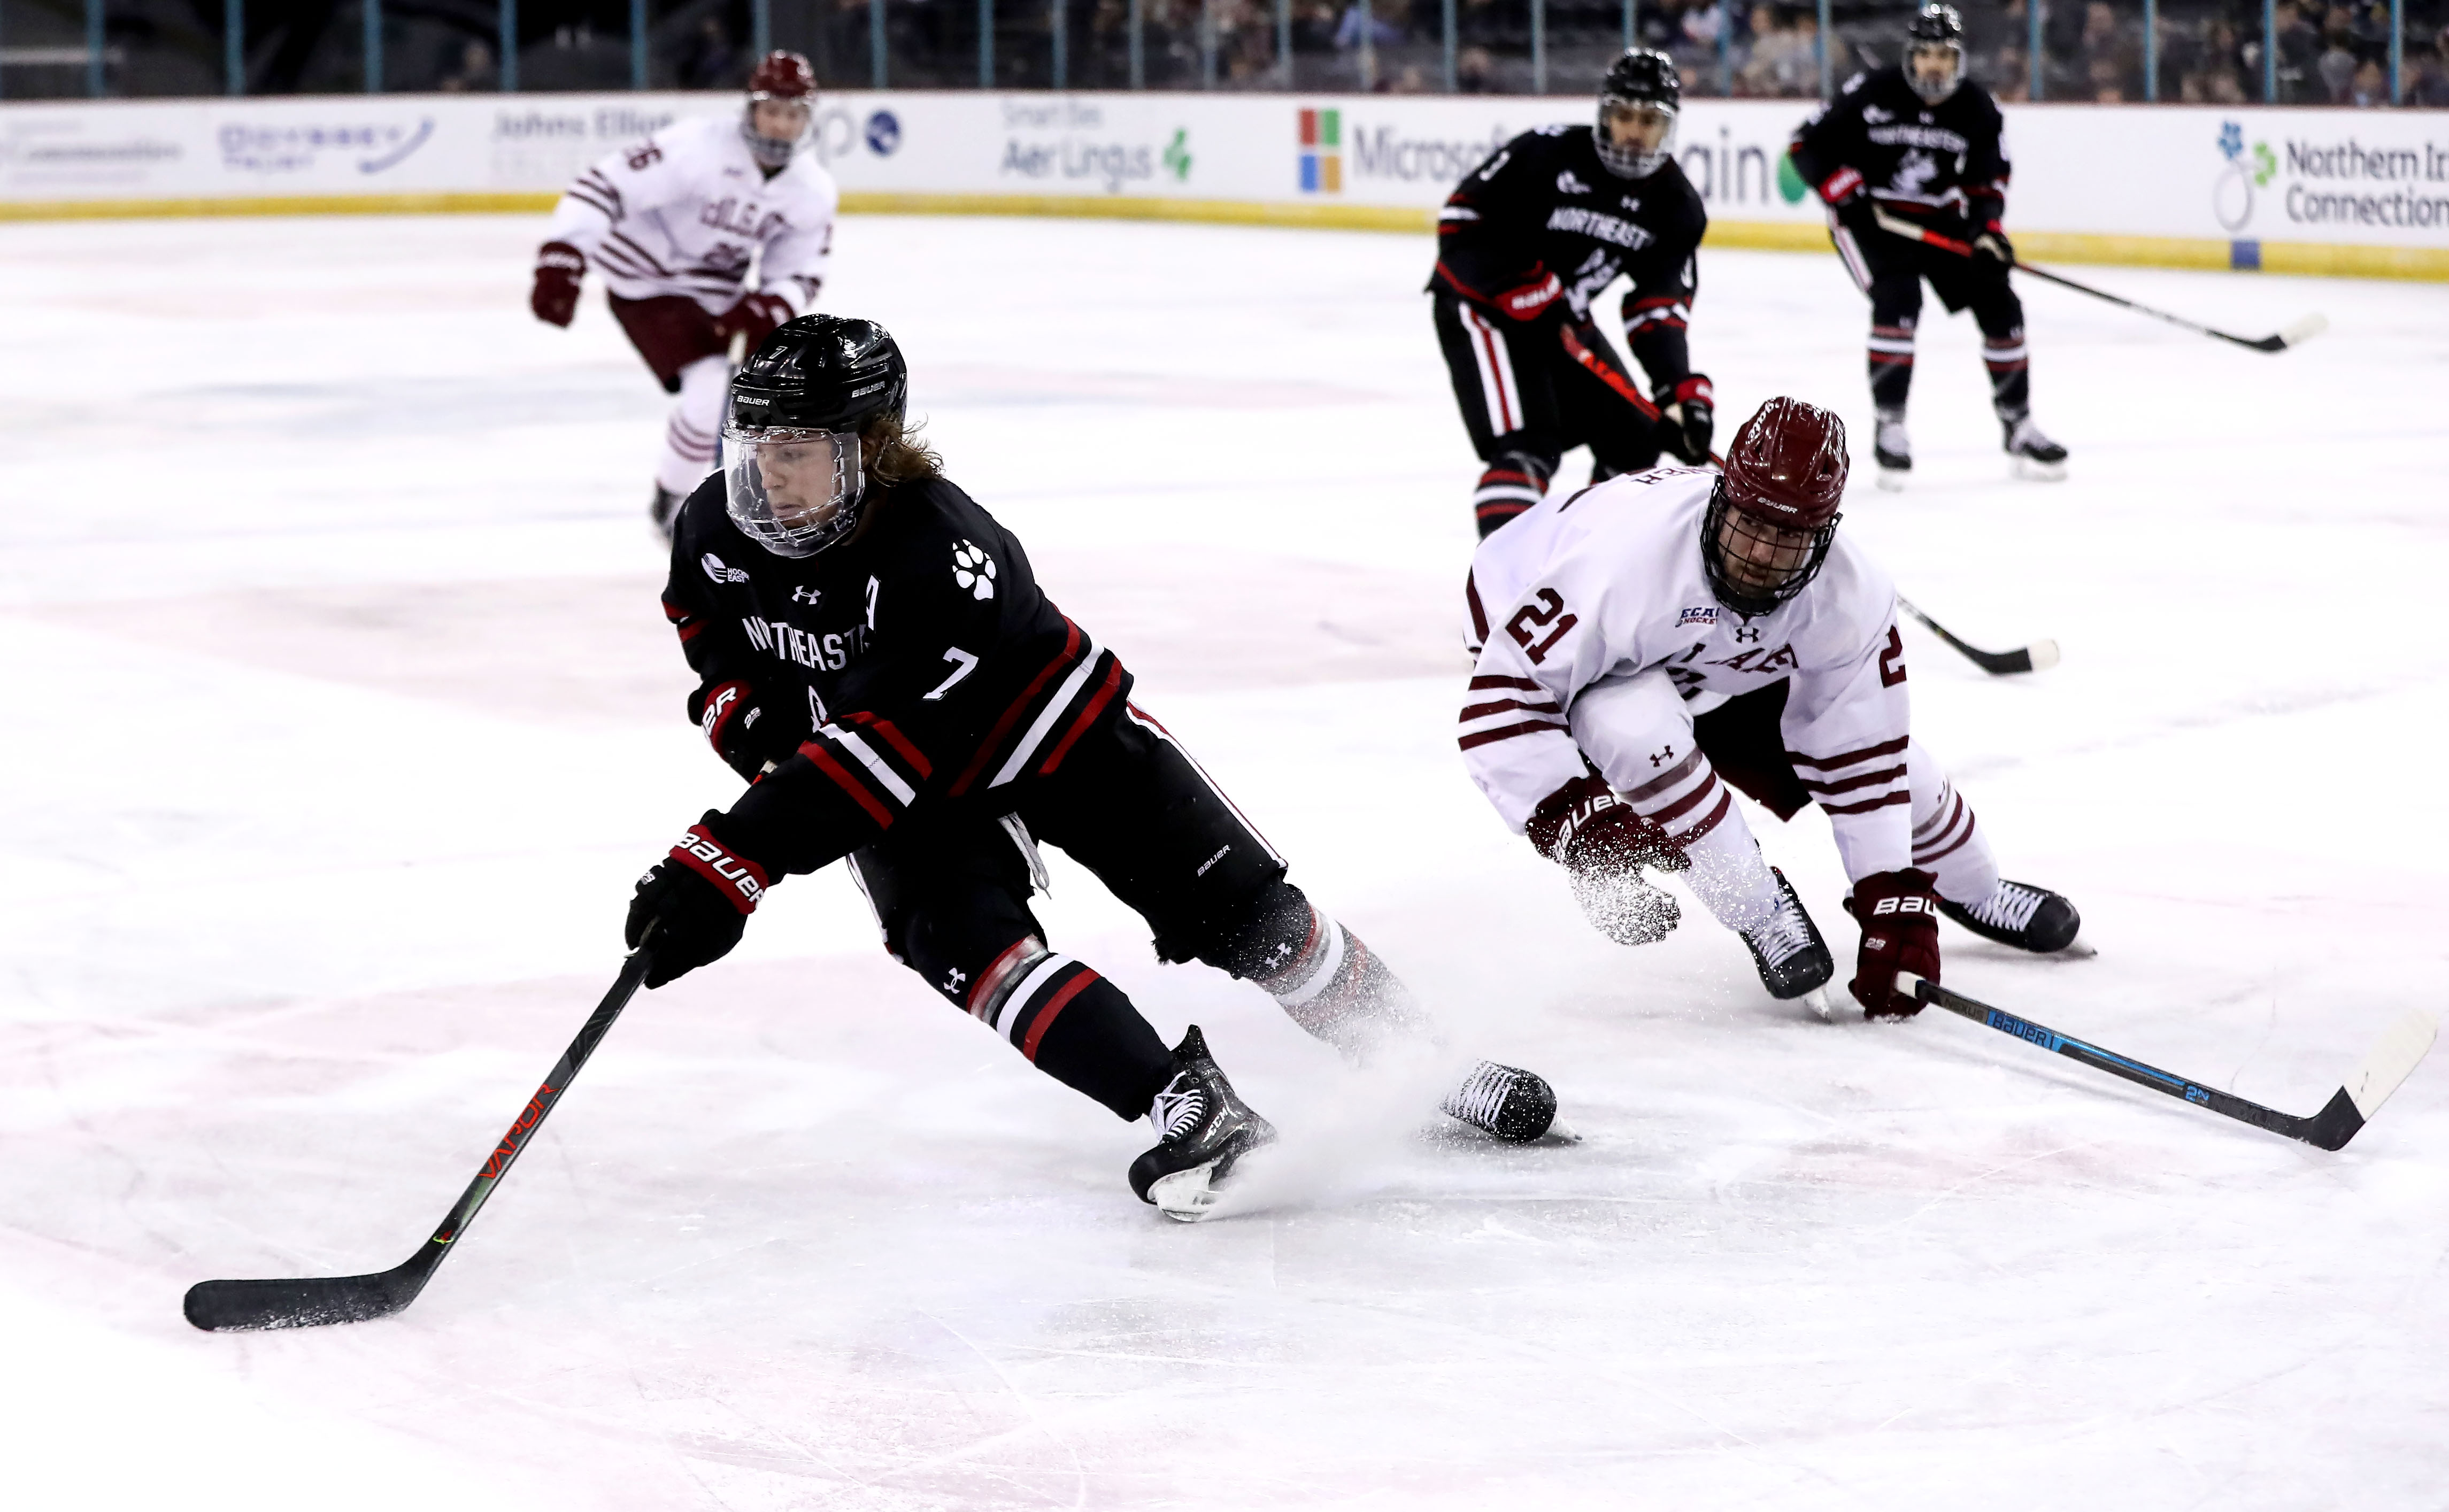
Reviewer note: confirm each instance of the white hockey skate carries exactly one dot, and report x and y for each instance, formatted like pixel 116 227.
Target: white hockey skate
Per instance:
pixel 1893 449
pixel 2035 455
pixel 1204 1128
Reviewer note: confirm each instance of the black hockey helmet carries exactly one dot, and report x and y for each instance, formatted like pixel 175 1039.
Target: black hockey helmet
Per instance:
pixel 794 460
pixel 1938 32
pixel 1640 77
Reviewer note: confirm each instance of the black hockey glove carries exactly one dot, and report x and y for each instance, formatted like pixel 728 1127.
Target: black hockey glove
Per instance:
pixel 742 731
pixel 1690 420
pixel 1992 244
pixel 696 903
pixel 1850 202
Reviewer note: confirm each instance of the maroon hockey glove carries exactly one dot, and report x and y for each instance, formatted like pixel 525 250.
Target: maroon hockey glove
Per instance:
pixel 1993 243
pixel 1529 299
pixel 1899 913
pixel 559 266
pixel 1603 845
pixel 1692 418
pixel 754 317
pixel 742 732
pixel 694 906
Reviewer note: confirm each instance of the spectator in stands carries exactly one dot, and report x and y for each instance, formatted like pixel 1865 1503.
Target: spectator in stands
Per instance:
pixel 707 60
pixel 2013 70
pixel 1783 62
pixel 2431 82
pixel 2336 67
pixel 2216 74
pixel 475 71
pixel 1476 71
pixel 2369 87
pixel 2105 57
pixel 2299 48
pixel 1366 29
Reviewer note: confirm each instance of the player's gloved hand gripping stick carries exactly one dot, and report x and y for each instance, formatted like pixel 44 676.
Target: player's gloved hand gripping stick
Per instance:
pixel 308 1301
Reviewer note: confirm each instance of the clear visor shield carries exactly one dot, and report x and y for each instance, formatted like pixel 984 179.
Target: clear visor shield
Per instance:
pixel 795 492
pixel 1634 136
pixel 1934 68
pixel 1766 561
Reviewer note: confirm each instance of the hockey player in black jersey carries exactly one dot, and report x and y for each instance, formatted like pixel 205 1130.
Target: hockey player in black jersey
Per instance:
pixel 875 656
pixel 1524 244
pixel 1923 145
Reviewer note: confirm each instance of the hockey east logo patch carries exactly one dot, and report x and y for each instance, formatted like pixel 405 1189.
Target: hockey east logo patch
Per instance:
pixel 721 571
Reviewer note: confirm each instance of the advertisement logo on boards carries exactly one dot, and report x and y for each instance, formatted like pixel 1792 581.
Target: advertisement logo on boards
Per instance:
pixel 1078 140
pixel 370 146
pixel 1321 151
pixel 2232 189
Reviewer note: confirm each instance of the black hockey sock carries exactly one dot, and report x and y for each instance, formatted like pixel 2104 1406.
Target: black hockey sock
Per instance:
pixel 1511 484
pixel 1080 1030
pixel 1891 362
pixel 2011 377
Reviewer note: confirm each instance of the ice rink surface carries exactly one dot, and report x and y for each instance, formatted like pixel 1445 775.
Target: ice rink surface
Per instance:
pixel 341 718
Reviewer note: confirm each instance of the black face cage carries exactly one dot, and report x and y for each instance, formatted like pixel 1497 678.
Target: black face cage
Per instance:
pixel 1810 557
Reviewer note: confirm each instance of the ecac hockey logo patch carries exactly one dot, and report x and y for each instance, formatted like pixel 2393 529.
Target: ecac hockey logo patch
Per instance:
pixel 974 570
pixel 1706 615
pixel 718 572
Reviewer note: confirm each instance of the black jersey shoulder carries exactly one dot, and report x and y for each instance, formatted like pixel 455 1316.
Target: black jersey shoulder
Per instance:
pixel 1674 199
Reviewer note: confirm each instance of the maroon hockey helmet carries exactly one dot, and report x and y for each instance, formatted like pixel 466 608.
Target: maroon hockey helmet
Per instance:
pixel 1773 514
pixel 779 78
pixel 783 75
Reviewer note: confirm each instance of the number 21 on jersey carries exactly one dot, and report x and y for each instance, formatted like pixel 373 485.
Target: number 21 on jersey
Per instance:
pixel 1531 618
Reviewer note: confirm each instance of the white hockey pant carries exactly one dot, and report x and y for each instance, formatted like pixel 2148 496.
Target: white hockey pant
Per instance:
pixel 695 427
pixel 1638 731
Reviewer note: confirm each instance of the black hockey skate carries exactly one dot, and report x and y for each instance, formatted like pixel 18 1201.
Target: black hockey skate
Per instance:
pixel 1792 957
pixel 2019 914
pixel 1893 450
pixel 1203 1129
pixel 665 507
pixel 2036 455
pixel 1507 1101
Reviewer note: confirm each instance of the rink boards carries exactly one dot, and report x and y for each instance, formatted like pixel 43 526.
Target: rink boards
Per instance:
pixel 2315 191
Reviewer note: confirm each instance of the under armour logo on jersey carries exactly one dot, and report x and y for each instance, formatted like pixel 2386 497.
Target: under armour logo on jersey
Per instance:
pixel 1663 757
pixel 1632 201
pixel 974 570
pixel 808 596
pixel 954 978
pixel 718 572
pixel 1748 632
pixel 1566 184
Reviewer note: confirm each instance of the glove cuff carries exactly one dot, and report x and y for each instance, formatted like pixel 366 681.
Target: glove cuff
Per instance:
pixel 741 882
pixel 560 257
pixel 1695 390
pixel 1842 185
pixel 725 704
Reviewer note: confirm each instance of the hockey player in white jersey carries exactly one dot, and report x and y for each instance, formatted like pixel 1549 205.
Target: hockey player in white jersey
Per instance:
pixel 672 225
pixel 1654 641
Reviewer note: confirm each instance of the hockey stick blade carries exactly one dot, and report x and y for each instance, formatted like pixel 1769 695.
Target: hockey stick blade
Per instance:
pixel 2393 1057
pixel 312 1301
pixel 2035 658
pixel 2295 336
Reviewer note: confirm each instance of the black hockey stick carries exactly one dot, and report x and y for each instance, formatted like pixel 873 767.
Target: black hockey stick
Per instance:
pixel 2034 658
pixel 2294 335
pixel 2396 1054
pixel 308 1301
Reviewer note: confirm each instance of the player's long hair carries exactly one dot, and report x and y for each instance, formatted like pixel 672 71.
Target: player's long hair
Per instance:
pixel 896 454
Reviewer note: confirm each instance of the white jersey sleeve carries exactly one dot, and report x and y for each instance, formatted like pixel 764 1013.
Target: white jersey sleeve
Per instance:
pixel 1848 717
pixel 686 211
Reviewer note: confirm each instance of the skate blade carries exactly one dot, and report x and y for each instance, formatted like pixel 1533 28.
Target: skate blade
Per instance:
pixel 1817 1001
pixel 1893 480
pixel 1186 1196
pixel 2040 471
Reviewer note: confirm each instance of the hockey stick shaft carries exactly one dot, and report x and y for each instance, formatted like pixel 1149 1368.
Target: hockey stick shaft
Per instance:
pixel 1897 225
pixel 1998 663
pixel 309 1301
pixel 2329 1129
pixel 1586 352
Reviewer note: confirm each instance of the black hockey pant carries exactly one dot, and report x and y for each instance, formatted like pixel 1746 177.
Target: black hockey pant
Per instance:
pixel 1527 402
pixel 1892 269
pixel 1132 806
